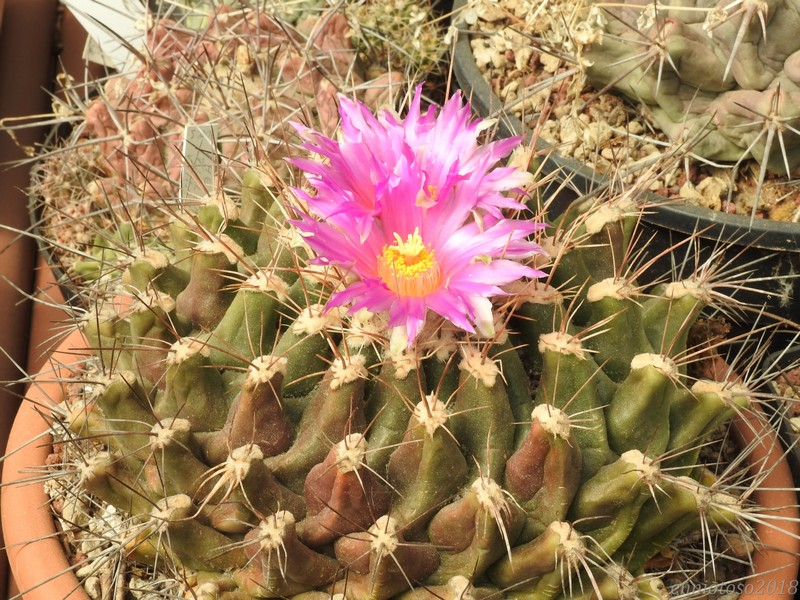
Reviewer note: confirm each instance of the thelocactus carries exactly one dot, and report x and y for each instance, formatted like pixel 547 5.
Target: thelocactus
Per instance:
pixel 379 385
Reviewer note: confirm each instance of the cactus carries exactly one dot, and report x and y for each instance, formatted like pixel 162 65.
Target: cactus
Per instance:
pixel 217 81
pixel 721 78
pixel 634 89
pixel 347 407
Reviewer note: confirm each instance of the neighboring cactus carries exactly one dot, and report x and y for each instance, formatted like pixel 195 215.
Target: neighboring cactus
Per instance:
pixel 236 78
pixel 402 33
pixel 723 78
pixel 276 446
pixel 634 88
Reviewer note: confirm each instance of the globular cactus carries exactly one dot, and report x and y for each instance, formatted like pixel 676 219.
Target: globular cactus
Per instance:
pixel 394 392
pixel 405 34
pixel 232 72
pixel 721 77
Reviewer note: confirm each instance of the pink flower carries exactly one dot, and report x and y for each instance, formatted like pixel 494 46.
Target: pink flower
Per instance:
pixel 413 208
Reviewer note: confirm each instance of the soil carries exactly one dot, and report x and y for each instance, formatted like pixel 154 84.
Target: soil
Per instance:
pixel 524 55
pixel 788 384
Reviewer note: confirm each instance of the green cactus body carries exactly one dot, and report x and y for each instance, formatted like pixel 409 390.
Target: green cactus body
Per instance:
pixel 152 333
pixel 678 506
pixel 153 270
pixel 474 531
pixel 388 412
pixel 613 304
pixel 113 478
pixel 667 316
pixel 279 564
pixel 191 543
pixel 307 349
pixel 319 460
pixel 617 583
pixel 382 563
pixel 607 505
pixel 172 468
pixel 543 475
pixel 541 311
pixel 307 290
pixel 457 587
pixel 608 229
pixel 183 239
pixel 518 389
pixel 194 388
pixel 342 495
pixel 220 215
pixel 568 383
pixel 570 273
pixel 529 567
pixel 256 200
pixel 337 409
pixel 256 415
pixel 125 413
pixel 205 299
pixel 694 414
pixel 274 250
pixel 248 328
pixel 443 375
pixel 108 336
pixel 428 468
pixel 638 414
pixel 259 433
pixel 483 420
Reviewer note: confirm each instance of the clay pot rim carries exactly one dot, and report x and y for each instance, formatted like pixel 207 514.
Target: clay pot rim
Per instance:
pixel 29 445
pixel 45 561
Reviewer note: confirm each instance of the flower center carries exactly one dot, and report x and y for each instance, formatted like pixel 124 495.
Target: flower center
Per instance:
pixel 409 268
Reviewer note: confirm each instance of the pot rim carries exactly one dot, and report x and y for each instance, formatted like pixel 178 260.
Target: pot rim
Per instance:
pixel 29 444
pixel 703 222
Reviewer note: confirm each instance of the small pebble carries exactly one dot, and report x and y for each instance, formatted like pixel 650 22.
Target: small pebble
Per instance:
pixel 635 127
pixel 93 588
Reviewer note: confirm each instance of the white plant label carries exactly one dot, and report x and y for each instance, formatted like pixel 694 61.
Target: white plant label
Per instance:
pixel 200 158
pixel 114 27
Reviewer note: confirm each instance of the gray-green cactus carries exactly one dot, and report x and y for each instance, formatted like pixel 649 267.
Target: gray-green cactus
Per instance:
pixel 723 78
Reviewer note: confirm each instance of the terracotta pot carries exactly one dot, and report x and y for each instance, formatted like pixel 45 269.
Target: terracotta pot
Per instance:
pixel 35 553
pixel 777 563
pixel 47 317
pixel 42 571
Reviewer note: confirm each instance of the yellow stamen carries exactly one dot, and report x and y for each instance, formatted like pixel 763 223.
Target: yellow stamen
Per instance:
pixel 409 268
pixel 426 197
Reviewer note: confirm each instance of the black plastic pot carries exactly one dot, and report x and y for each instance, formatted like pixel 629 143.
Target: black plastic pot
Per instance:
pixel 771 248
